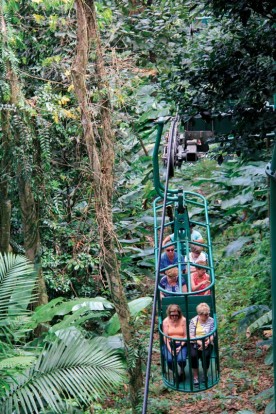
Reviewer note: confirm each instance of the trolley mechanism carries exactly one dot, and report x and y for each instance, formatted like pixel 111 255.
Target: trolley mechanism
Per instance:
pixel 185 146
pixel 190 361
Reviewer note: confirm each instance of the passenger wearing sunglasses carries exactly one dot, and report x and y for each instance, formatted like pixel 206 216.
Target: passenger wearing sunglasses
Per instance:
pixel 201 325
pixel 174 326
pixel 169 258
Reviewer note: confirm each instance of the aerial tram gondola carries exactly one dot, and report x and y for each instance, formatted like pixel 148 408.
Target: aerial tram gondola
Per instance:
pixel 187 146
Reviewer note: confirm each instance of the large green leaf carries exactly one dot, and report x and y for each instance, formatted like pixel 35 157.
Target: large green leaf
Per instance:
pixel 135 307
pixel 16 361
pixel 236 245
pixel 17 282
pixel 267 393
pixel 240 181
pixel 269 358
pixel 238 200
pixel 77 318
pixel 95 304
pixel 270 408
pixel 260 322
pixel 245 412
pixel 78 369
pixel 61 307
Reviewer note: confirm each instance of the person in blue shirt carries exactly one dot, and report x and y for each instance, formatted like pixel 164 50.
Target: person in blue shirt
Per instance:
pixel 170 282
pixel 169 258
pixel 195 236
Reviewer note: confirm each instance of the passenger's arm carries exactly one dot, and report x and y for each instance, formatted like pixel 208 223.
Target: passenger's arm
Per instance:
pixel 193 285
pixel 199 286
pixel 184 331
pixel 166 331
pixel 166 240
pixel 210 339
pixel 192 329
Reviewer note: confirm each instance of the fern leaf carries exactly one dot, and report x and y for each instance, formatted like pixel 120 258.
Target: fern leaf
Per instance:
pixel 17 282
pixel 78 369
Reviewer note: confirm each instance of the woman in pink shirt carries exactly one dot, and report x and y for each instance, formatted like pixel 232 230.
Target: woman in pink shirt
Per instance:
pixel 200 279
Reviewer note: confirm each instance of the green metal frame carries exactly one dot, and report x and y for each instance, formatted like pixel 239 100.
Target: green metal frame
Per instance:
pixel 159 187
pixel 187 300
pixel 187 385
pixel 181 201
pixel 271 172
pixel 182 238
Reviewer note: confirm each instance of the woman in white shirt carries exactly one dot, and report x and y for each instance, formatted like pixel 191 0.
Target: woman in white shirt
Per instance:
pixel 199 326
pixel 196 255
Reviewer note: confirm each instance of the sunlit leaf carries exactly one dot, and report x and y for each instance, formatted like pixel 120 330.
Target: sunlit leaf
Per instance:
pixel 135 307
pixel 236 245
pixel 240 199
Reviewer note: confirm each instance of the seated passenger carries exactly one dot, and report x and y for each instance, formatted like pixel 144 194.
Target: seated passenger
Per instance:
pixel 169 257
pixel 195 236
pixel 196 255
pixel 170 282
pixel 174 326
pixel 201 325
pixel 200 279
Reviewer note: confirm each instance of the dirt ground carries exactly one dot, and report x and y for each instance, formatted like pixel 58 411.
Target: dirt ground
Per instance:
pixel 243 376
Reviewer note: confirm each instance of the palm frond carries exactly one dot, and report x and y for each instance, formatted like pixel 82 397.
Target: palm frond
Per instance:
pixel 79 369
pixel 17 282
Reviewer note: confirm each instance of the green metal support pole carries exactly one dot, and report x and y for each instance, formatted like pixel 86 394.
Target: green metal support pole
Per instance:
pixel 271 172
pixel 156 179
pixel 181 223
pixel 159 187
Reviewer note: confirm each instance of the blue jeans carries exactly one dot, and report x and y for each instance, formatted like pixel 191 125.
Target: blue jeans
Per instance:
pixel 180 357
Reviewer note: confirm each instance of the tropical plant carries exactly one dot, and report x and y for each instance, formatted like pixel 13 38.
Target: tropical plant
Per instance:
pixel 17 282
pixel 256 316
pixel 69 368
pixel 253 322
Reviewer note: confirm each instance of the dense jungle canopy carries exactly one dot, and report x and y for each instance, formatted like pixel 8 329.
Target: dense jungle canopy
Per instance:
pixel 82 83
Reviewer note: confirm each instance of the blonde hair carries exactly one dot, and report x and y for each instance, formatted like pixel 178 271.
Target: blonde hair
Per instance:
pixel 202 263
pixel 203 308
pixel 172 272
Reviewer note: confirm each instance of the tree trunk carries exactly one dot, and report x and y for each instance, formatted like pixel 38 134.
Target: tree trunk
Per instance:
pixel 31 232
pixel 5 204
pixel 26 197
pixel 100 147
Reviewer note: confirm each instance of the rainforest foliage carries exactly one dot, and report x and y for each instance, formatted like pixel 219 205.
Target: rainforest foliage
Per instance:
pixel 210 58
